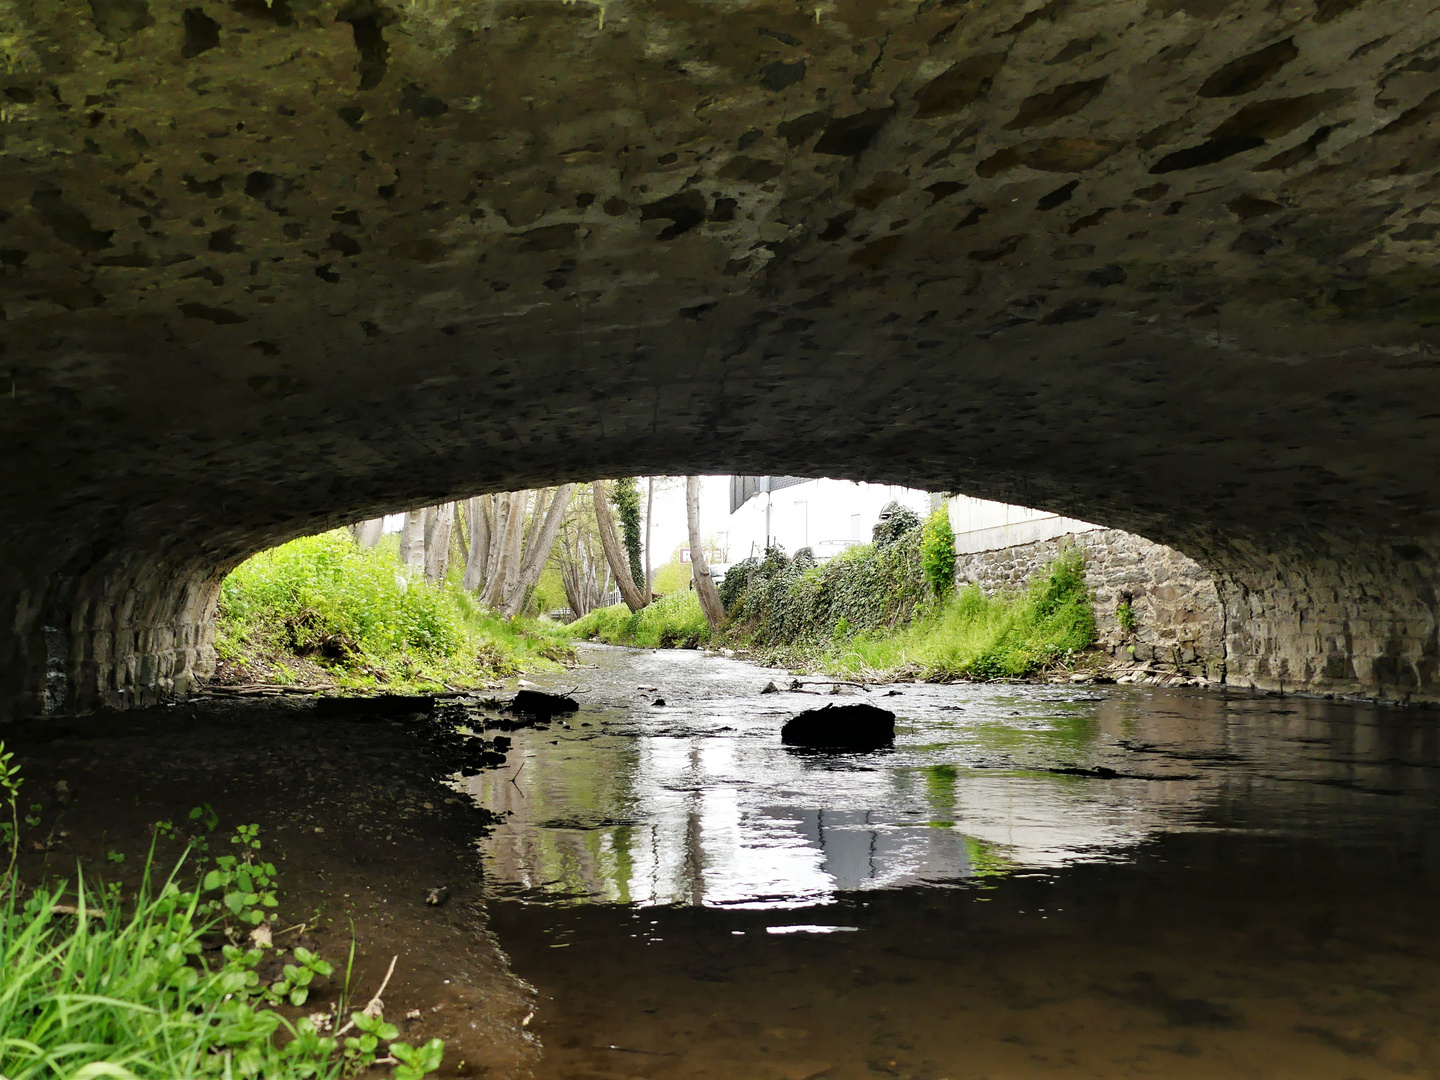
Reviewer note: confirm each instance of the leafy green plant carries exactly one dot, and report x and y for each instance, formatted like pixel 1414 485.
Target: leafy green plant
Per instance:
pixel 417 1062
pixel 247 887
pixel 10 794
pixel 360 1049
pixel 98 987
pixel 293 986
pixel 1125 616
pixel 937 553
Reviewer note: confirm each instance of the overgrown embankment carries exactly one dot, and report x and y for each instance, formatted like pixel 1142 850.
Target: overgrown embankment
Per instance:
pixel 884 610
pixel 324 611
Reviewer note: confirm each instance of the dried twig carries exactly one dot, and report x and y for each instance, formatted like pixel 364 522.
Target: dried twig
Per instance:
pixel 373 1007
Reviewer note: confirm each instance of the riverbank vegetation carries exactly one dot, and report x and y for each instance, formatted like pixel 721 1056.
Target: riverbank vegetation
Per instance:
pixel 180 979
pixel 326 609
pixel 671 622
pixel 882 610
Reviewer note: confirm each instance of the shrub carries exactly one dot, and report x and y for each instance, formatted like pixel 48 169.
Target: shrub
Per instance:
pixel 937 553
pixel 899 523
pixel 777 601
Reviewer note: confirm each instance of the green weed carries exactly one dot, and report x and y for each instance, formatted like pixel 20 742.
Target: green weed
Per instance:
pixel 94 987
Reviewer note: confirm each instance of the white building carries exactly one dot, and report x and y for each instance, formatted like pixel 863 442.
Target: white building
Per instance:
pixel 829 516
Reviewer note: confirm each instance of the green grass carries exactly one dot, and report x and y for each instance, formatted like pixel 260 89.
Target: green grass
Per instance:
pixel 94 987
pixel 971 635
pixel 673 621
pixel 364 620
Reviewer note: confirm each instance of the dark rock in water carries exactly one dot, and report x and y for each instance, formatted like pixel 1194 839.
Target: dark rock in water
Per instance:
pixel 379 705
pixel 658 703
pixel 770 688
pixel 841 727
pixel 536 703
pixel 437 897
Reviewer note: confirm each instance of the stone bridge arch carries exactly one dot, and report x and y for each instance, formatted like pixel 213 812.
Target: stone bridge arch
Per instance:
pixel 274 265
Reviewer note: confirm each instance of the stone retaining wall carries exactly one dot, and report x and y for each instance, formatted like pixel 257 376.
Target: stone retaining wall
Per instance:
pixel 1177 613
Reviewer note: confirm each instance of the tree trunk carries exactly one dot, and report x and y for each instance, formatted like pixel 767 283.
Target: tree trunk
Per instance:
pixel 704 588
pixel 437 543
pixel 367 533
pixel 537 550
pixel 614 553
pixel 458 531
pixel 412 540
pixel 649 509
pixel 506 546
pixel 509 535
pixel 480 531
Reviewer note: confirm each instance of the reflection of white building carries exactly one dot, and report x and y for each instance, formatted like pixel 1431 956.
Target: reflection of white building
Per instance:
pixel 830 515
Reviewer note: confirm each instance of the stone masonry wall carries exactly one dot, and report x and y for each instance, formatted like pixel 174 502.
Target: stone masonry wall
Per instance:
pixel 1179 621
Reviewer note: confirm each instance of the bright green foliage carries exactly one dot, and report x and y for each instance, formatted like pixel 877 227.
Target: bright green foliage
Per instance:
pixel 101 988
pixel 673 577
pixel 369 620
pixel 937 553
pixel 626 498
pixel 1125 616
pixel 417 1062
pixel 972 636
pixel 673 621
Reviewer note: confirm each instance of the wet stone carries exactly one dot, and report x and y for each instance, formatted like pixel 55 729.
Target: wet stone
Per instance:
pixel 841 727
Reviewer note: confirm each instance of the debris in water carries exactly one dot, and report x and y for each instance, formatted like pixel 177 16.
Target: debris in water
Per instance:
pixel 437 897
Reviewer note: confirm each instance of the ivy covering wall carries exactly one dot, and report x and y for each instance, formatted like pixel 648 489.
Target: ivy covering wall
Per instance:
pixel 783 601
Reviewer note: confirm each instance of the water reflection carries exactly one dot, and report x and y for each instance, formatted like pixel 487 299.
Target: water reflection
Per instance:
pixel 698 803
pixel 1033 883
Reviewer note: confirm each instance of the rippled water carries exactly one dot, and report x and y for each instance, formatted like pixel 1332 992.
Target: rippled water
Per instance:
pixel 1035 881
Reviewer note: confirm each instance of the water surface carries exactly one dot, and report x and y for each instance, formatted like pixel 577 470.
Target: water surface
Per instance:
pixel 1036 881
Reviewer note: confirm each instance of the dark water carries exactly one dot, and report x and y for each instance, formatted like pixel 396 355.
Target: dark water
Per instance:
pixel 1036 881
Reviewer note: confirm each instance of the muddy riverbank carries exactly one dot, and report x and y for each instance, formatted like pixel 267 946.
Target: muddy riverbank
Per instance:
pixel 353 810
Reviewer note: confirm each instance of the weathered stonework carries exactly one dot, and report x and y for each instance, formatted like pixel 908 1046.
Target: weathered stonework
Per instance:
pixel 269 266
pixel 1179 622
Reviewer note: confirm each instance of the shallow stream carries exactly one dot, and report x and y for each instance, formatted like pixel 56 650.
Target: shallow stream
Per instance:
pixel 1036 881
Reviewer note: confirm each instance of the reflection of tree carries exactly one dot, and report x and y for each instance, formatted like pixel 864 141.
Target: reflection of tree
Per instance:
pixel 940 787
pixel 561 838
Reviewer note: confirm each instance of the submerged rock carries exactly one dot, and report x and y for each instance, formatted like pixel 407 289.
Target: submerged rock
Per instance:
pixel 537 703
pixel 841 727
